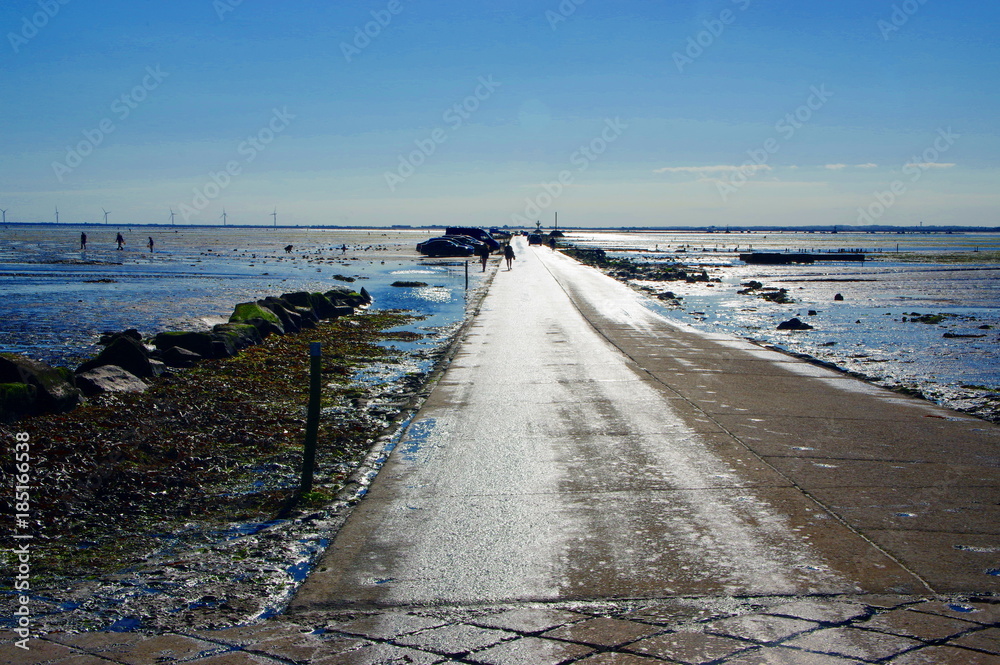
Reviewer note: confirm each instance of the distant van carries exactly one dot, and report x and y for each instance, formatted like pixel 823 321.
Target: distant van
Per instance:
pixel 472 232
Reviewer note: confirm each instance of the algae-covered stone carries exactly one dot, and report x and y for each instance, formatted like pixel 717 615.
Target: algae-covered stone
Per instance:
pixel 263 319
pixel 290 321
pixel 242 334
pixel 341 295
pixel 298 299
pixel 322 305
pixel 247 311
pixel 16 399
pixel 55 387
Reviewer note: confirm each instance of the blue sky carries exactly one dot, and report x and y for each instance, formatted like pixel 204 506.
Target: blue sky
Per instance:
pixel 626 113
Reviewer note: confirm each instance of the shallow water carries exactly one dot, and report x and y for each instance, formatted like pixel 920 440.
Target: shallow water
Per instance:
pixel 58 299
pixel 866 331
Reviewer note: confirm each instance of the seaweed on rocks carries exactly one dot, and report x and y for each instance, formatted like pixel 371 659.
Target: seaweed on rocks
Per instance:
pixel 163 476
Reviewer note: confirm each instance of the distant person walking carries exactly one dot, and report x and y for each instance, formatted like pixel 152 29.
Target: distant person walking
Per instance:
pixel 150 243
pixel 120 239
pixel 483 252
pixel 552 243
pixel 83 241
pixel 508 254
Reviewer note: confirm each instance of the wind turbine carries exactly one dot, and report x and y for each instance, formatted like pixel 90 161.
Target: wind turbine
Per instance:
pixel 275 216
pixel 172 213
pixel 106 213
pixel 4 216
pixel 223 215
pixel 57 214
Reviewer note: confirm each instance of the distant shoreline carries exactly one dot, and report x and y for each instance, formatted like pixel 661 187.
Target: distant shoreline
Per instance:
pixel 839 228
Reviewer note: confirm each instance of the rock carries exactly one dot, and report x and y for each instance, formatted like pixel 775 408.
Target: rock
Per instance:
pixel 109 336
pixel 199 343
pixel 47 388
pixel 838 297
pixel 290 321
pixel 346 296
pixel 263 319
pixel 323 306
pixel 109 379
pixel 298 298
pixel 794 324
pixel 16 400
pixel 178 356
pixel 813 312
pixel 237 336
pixel 127 353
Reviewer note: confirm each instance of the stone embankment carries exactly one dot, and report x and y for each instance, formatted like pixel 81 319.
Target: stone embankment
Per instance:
pixel 128 362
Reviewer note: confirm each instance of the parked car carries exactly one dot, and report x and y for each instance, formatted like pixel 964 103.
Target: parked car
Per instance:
pixel 444 247
pixel 535 238
pixel 478 234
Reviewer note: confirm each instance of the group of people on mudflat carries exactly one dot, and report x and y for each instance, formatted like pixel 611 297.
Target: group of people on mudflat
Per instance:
pixel 120 239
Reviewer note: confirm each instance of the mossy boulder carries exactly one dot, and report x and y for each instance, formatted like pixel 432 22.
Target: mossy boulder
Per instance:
pixel 298 298
pixel 236 336
pixel 263 319
pixel 290 321
pixel 16 400
pixel 54 387
pixel 342 295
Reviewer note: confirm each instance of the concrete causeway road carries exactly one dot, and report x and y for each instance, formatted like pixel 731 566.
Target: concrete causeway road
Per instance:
pixel 582 447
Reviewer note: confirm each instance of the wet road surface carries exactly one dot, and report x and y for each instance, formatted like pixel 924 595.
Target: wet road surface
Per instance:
pixel 582 448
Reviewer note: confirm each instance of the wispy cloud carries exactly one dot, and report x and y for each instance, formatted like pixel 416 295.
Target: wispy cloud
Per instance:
pixel 722 168
pixel 839 167
pixel 931 165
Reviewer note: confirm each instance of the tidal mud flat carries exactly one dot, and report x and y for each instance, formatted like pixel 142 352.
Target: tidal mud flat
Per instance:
pixel 920 315
pixel 170 507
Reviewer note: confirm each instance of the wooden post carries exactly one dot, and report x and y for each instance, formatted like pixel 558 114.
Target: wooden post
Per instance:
pixel 312 417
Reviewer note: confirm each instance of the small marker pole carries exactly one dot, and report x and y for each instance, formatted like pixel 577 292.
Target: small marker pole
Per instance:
pixel 466 274
pixel 312 417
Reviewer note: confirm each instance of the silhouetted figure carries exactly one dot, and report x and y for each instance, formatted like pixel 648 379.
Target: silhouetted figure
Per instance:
pixel 288 249
pixel 150 243
pixel 508 254
pixel 483 252
pixel 120 239
pixel 552 243
pixel 83 241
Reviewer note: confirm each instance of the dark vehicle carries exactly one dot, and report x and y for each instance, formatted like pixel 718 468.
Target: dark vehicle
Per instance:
pixel 467 240
pixel 444 247
pixel 535 239
pixel 478 234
